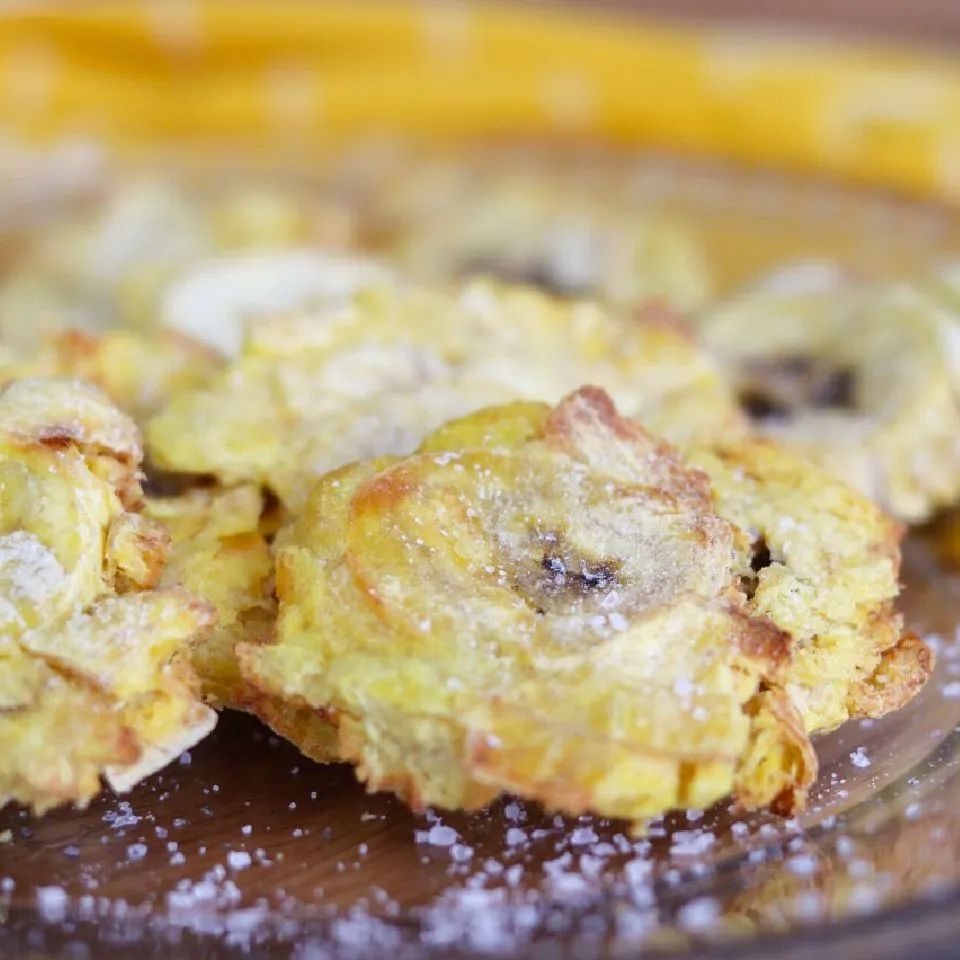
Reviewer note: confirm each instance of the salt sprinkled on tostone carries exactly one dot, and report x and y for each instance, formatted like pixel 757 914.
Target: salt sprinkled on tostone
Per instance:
pixel 859 758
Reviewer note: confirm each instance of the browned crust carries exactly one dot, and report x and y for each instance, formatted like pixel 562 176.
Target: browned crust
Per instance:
pixel 762 640
pixel 589 411
pixel 903 670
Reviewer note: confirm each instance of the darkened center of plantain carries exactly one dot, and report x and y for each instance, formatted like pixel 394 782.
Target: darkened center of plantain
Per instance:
pixel 778 389
pixel 555 576
pixel 760 559
pixel 525 272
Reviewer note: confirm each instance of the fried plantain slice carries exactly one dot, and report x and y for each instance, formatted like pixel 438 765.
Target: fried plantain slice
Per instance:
pixel 92 650
pixel 822 563
pixel 860 378
pixel 577 228
pixel 130 648
pixel 219 552
pixel 311 393
pixel 215 300
pixel 140 372
pixel 111 262
pixel 541 601
pixel 56 735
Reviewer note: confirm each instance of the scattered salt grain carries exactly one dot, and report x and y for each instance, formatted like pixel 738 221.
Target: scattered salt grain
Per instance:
pixel 515 837
pixel 136 851
pixel 583 835
pixel 238 860
pixel 691 843
pixel 859 758
pixel 845 846
pixel 52 904
pixel 698 914
pixel 637 872
pixel 951 690
pixel 441 835
pixel 461 853
pixel 803 865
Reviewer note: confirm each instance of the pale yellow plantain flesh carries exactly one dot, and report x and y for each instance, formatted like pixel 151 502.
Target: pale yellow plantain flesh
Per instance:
pixel 219 552
pixel 97 679
pixel 821 562
pixel 859 378
pixel 311 393
pixel 140 372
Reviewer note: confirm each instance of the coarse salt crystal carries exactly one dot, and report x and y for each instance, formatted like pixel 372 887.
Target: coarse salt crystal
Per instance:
pixel 136 851
pixel 52 904
pixel 803 865
pixel 583 835
pixel 461 853
pixel 440 835
pixel 698 914
pixel 516 836
pixel 859 758
pixel 238 860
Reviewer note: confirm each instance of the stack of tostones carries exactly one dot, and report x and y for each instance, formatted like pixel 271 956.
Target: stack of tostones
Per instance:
pixel 423 546
pixel 312 392
pixel 96 677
